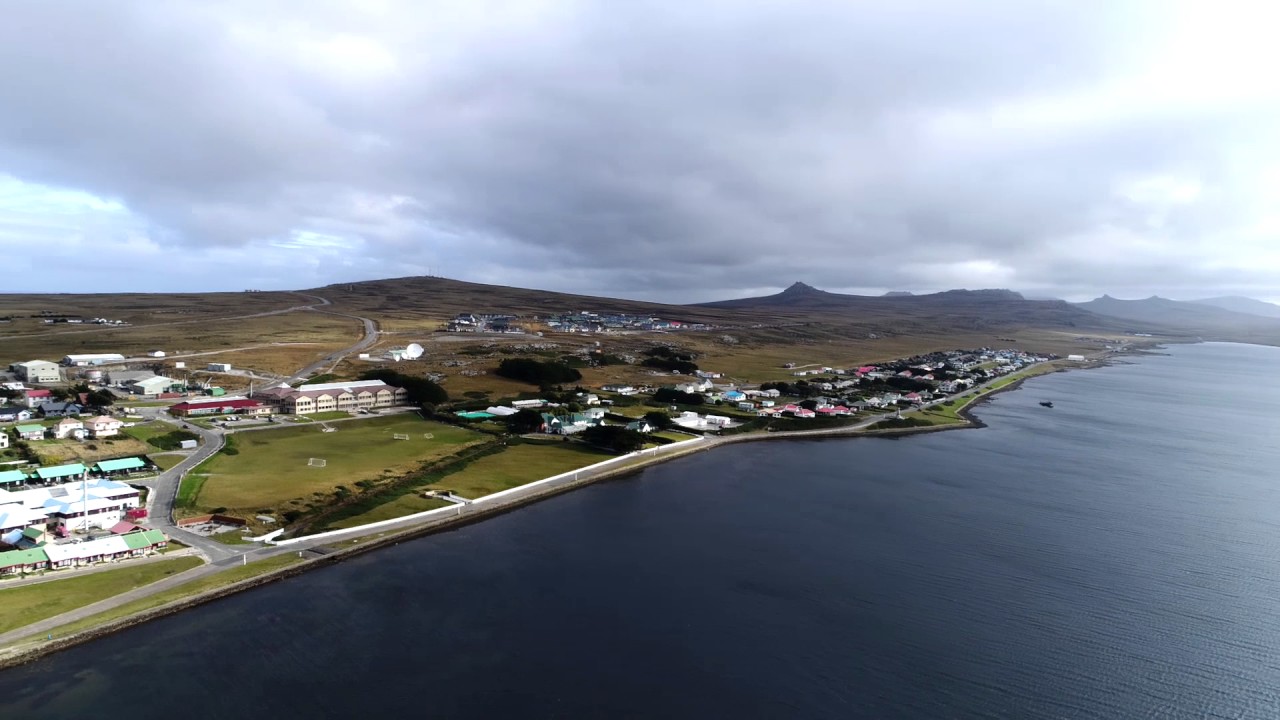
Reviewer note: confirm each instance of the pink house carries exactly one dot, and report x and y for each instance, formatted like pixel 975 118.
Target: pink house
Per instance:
pixel 913 397
pixel 804 413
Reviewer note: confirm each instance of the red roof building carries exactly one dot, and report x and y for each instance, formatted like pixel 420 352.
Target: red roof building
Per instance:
pixel 219 407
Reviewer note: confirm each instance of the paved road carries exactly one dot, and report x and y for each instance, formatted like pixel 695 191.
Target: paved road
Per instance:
pixel 330 361
pixel 108 328
pixel 164 488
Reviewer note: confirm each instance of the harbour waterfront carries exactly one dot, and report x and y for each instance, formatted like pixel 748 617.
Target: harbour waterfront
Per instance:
pixel 1114 556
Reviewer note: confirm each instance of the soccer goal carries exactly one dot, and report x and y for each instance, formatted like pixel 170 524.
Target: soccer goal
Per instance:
pixel 401 436
pixel 316 462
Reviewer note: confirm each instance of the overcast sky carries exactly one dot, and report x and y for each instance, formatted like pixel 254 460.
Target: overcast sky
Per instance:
pixel 679 151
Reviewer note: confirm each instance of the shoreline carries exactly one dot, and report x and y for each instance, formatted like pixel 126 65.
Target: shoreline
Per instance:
pixel 336 552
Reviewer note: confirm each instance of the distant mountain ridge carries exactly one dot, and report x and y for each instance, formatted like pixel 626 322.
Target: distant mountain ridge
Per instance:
pixel 1246 305
pixel 800 295
pixel 985 309
pixel 1190 317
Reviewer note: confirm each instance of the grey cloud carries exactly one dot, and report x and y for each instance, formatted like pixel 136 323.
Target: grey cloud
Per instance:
pixel 639 148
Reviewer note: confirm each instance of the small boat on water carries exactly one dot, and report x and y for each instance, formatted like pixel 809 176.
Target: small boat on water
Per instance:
pixel 1046 403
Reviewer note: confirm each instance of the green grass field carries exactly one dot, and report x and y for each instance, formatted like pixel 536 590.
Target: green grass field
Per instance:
pixel 164 462
pixel 401 506
pixel 26 604
pixel 219 579
pixel 673 435
pixel 271 466
pixel 146 431
pixel 322 416
pixel 517 465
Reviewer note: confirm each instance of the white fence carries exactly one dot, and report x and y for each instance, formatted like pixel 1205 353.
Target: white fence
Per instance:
pixel 459 509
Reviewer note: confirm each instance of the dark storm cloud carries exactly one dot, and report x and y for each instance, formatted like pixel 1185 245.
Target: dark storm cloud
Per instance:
pixel 668 150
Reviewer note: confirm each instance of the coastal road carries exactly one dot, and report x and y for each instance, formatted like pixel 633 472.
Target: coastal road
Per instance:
pixel 164 489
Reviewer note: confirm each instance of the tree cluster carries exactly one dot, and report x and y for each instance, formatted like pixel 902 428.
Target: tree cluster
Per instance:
pixel 419 390
pixel 524 421
pixel 538 372
pixel 667 358
pixel 678 397
pixel 614 437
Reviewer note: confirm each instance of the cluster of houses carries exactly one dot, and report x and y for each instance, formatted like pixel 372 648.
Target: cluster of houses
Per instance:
pixel 13 480
pixel 37 404
pixel 585 321
pixel 470 322
pixel 76 320
pixel 840 392
pixel 32 551
pixel 582 321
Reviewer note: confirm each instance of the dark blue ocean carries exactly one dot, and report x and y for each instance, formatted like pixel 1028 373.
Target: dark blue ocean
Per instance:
pixel 1116 556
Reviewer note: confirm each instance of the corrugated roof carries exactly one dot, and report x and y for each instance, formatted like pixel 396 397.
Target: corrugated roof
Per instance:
pixel 110 545
pixel 131 463
pixel 29 428
pixel 144 539
pixel 60 471
pixel 13 558
pixel 12 476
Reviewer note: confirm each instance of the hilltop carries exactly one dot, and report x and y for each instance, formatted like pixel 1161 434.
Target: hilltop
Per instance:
pixel 1176 316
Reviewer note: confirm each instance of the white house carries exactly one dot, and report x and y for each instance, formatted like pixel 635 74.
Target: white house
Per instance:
pixel 68 428
pixel 104 426
pixel 4 439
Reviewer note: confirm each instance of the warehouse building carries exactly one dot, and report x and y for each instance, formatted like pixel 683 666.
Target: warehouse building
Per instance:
pixel 93 359
pixel 37 371
pixel 153 385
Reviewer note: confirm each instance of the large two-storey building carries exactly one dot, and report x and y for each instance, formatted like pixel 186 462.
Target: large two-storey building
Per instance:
pixel 350 396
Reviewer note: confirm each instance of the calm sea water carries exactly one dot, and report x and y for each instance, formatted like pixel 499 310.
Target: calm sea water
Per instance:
pixel 1117 556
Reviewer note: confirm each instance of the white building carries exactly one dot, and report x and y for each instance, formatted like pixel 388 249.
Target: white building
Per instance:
pixel 92 359
pixel 151 386
pixel 37 371
pixel 68 428
pixel 104 426
pixel 98 503
pixel 156 354
pixel 4 439
pixel 219 367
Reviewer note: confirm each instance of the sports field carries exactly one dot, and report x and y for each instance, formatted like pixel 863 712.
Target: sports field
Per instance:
pixel 271 466
pixel 518 465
